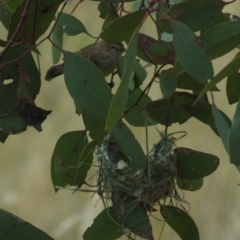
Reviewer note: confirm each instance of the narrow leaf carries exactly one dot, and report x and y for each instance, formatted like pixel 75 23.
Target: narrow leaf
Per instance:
pixel 192 55
pixel 226 71
pixel 234 138
pixel 84 163
pixel 128 144
pixel 222 126
pixel 57 38
pixel 94 126
pixel 119 101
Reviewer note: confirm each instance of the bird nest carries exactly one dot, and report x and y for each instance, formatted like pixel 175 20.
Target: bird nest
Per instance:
pixel 118 174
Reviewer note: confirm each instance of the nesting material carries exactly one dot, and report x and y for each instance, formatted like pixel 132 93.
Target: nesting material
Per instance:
pixel 120 175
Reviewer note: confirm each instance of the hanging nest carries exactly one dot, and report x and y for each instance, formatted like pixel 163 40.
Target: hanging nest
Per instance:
pixel 118 175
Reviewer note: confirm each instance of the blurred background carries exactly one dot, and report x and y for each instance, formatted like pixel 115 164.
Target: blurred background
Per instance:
pixel 25 182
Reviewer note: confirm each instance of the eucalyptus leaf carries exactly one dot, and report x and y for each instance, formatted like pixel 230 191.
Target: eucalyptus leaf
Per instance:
pixel 5 14
pixel 57 38
pixel 65 158
pixel 15 228
pixel 191 53
pixel 86 85
pixel 229 69
pixel 180 222
pixel 39 14
pixel 233 88
pixel 94 126
pixel 189 184
pixel 168 82
pixel 153 51
pixel 221 39
pixel 72 26
pixel 194 164
pixel 129 146
pixel 160 109
pixel 125 25
pixel 84 164
pixel 234 138
pixel 136 115
pixel 133 216
pixel 222 126
pixel 195 14
pixel 119 101
pixel 104 227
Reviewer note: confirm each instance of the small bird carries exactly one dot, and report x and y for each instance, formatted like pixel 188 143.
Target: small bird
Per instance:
pixel 104 55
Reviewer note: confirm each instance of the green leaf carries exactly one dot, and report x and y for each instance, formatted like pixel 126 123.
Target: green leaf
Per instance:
pixel 5 14
pixel 39 14
pixel 153 51
pixel 137 115
pixel 65 159
pixel 119 101
pixel 221 39
pixel 193 164
pixel 3 136
pixel 12 124
pixel 191 53
pixel 125 25
pixel 222 126
pixel 223 17
pixel 185 81
pixel 128 145
pixel 180 222
pixel 13 4
pixel 195 14
pixel 233 87
pixel 168 82
pixel 57 38
pixel 86 85
pixel 94 126
pixel 226 71
pixel 133 216
pixel 84 163
pixel 15 228
pixel 104 227
pixel 72 26
pixel 234 138
pixel 25 73
pixel 140 73
pixel 189 184
pixel 203 112
pixel 160 109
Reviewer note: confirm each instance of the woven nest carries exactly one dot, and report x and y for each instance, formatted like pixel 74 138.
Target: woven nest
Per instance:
pixel 119 175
